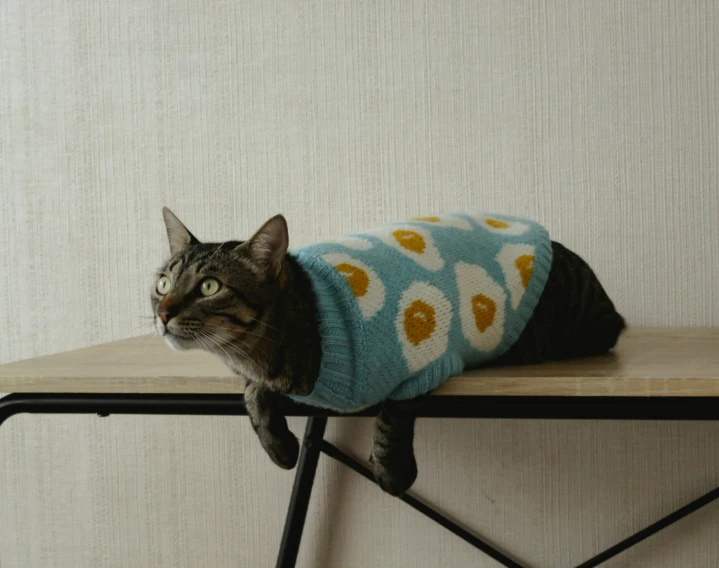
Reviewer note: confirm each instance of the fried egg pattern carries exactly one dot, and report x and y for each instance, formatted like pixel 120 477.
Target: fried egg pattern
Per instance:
pixel 448 220
pixel 366 286
pixel 434 295
pixel 517 262
pixel 501 226
pixel 481 306
pixel 423 321
pixel 413 242
pixel 355 243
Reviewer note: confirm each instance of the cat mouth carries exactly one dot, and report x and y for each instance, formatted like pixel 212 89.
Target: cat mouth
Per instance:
pixel 164 330
pixel 178 335
pixel 174 338
pixel 178 342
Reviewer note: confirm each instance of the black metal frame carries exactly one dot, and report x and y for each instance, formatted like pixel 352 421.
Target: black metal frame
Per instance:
pixel 612 408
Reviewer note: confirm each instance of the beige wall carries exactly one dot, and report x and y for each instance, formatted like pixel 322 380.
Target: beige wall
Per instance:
pixel 598 118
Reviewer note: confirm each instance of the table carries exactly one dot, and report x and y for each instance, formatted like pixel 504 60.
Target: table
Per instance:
pixel 655 373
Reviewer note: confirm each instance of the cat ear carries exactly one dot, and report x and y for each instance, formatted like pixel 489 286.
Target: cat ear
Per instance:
pixel 177 233
pixel 268 246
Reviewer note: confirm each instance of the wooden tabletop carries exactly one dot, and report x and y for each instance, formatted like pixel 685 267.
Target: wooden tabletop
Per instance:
pixel 647 362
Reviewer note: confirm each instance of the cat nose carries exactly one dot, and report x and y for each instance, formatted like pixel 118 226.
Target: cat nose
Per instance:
pixel 167 310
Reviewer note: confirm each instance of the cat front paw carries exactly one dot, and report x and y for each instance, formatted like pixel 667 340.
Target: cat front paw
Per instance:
pixel 395 475
pixel 283 451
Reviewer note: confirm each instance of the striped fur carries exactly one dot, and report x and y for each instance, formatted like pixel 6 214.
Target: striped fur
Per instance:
pixel 263 324
pixel 573 318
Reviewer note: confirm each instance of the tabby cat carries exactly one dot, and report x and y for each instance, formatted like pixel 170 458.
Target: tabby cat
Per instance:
pixel 253 305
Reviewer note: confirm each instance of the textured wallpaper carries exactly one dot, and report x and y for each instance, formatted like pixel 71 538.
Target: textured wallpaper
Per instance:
pixel 597 118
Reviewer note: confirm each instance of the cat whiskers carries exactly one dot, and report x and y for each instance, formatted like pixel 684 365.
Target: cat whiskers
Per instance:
pixel 148 339
pixel 230 343
pixel 219 341
pixel 208 338
pixel 147 324
pixel 265 324
pixel 244 332
pixel 145 341
pixel 214 253
pixel 203 342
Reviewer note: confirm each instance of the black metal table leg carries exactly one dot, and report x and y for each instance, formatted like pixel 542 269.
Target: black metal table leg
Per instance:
pixel 6 411
pixel 612 408
pixel 335 453
pixel 135 404
pixel 301 492
pixel 652 529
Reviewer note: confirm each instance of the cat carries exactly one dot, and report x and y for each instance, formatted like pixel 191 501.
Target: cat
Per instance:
pixel 254 305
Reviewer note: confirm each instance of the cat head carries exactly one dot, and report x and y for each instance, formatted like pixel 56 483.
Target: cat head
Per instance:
pixel 212 296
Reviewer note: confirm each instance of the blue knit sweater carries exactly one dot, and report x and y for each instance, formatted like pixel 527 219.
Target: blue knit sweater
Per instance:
pixel 404 307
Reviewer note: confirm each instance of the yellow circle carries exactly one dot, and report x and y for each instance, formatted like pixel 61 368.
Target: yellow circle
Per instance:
pixel 495 224
pixel 410 240
pixel 356 278
pixel 419 322
pixel 525 265
pixel 484 308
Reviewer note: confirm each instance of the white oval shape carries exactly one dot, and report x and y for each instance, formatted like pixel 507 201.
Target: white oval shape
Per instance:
pixel 355 243
pixel 364 283
pixel 445 220
pixel 500 225
pixel 423 321
pixel 481 306
pixel 517 262
pixel 413 242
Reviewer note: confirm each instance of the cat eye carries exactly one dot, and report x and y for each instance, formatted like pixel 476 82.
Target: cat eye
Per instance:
pixel 209 287
pixel 163 285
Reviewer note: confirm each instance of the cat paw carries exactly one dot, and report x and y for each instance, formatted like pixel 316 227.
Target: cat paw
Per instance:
pixel 394 476
pixel 284 451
